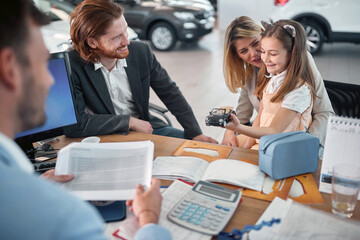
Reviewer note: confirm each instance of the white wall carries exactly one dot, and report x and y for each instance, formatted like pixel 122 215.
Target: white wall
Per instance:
pixel 228 10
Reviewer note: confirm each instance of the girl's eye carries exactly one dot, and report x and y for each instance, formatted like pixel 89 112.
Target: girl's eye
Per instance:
pixel 243 51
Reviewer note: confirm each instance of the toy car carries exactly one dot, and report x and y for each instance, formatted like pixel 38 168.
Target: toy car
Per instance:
pixel 219 117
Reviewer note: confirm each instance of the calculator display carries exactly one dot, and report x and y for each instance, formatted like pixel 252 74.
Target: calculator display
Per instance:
pixel 215 192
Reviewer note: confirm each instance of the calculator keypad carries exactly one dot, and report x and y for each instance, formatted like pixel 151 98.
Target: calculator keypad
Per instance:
pixel 201 214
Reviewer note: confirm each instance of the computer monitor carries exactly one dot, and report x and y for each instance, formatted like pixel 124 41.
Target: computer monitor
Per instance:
pixel 60 110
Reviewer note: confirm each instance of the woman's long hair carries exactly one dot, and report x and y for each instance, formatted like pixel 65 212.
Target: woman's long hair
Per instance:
pixel 237 71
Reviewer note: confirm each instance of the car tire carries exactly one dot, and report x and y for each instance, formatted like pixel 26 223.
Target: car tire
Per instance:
pixel 314 36
pixel 162 36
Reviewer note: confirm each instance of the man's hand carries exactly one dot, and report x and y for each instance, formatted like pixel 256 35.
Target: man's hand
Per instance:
pixel 147 205
pixel 139 125
pixel 230 139
pixel 50 174
pixel 203 138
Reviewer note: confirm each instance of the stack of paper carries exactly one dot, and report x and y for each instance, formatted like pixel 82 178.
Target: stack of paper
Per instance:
pixel 106 171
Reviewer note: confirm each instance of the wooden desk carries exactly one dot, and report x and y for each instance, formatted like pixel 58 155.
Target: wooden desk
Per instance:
pixel 249 210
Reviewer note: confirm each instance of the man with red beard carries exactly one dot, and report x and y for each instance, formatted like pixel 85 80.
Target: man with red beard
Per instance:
pixel 112 78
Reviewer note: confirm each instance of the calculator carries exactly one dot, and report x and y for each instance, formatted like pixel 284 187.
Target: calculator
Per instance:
pixel 206 208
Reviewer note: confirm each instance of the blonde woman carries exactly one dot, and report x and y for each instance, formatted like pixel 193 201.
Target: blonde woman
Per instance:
pixel 242 60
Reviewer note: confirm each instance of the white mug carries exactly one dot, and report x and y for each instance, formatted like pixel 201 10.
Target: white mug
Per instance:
pixel 91 140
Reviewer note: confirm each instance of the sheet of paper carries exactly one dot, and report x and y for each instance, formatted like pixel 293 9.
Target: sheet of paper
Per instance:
pixel 172 168
pixel 302 222
pixel 277 209
pixel 341 146
pixel 106 171
pixel 235 172
pixel 171 196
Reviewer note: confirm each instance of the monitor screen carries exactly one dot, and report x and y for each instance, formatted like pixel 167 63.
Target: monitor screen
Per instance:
pixel 60 111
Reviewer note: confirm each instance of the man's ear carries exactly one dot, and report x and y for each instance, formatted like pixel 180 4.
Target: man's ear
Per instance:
pixel 92 42
pixel 8 68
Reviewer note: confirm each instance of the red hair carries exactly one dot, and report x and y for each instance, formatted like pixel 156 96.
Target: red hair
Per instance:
pixel 91 18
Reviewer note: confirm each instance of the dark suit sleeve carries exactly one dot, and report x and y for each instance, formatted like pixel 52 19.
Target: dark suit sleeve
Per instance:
pixel 93 116
pixel 170 94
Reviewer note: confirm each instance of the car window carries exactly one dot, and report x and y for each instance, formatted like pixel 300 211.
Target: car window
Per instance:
pixel 217 112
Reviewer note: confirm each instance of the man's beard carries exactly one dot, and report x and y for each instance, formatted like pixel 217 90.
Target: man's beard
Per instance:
pixel 103 51
pixel 30 114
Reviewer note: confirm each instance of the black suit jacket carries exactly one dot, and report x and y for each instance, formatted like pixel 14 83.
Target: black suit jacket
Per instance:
pixel 95 109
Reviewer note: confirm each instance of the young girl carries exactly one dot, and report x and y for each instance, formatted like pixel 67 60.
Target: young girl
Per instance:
pixel 285 83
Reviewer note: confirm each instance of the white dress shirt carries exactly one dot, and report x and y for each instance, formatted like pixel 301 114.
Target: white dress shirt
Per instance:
pixel 119 88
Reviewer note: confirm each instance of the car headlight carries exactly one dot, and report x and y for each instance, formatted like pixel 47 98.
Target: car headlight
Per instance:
pixel 185 16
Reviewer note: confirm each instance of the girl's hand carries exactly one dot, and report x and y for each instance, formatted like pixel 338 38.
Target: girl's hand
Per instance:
pixel 234 124
pixel 229 139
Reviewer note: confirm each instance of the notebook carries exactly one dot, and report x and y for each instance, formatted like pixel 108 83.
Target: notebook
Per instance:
pixel 342 145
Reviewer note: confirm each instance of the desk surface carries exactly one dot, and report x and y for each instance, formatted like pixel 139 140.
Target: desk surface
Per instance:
pixel 249 210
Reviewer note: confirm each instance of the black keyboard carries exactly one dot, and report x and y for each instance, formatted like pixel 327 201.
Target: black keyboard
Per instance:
pixel 44 166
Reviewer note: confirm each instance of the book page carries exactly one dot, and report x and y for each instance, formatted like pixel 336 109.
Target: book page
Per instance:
pixel 106 171
pixel 235 172
pixel 186 168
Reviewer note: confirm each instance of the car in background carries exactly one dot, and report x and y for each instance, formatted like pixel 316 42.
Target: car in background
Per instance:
pixel 57 34
pixel 323 20
pixel 164 22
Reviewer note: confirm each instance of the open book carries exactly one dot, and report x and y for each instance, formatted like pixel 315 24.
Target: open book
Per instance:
pixel 106 171
pixel 193 169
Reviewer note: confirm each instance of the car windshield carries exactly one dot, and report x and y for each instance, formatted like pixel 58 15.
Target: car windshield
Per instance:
pixel 54 9
pixel 218 111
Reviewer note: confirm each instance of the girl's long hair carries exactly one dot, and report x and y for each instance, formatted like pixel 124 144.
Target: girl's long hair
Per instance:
pixel 298 69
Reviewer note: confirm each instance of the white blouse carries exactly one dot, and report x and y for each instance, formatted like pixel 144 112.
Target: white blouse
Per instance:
pixel 297 100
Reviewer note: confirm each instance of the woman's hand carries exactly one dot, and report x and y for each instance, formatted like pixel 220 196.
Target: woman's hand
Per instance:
pixel 229 139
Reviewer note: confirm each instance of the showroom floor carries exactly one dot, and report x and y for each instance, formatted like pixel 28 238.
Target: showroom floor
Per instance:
pixel 197 70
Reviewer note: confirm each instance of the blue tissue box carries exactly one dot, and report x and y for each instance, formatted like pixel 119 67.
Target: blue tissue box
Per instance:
pixel 288 154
